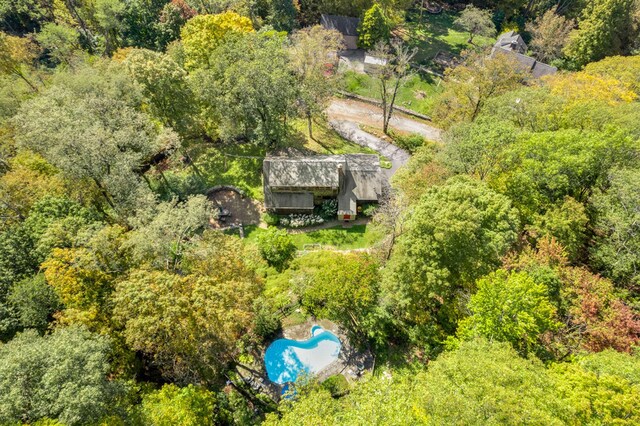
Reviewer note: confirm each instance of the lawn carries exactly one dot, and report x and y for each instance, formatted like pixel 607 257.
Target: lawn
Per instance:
pixel 356 237
pixel 436 33
pixel 418 93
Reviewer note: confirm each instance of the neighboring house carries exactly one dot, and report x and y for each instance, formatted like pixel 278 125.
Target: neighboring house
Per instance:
pixel 513 45
pixel 297 184
pixel 346 26
pixel 372 63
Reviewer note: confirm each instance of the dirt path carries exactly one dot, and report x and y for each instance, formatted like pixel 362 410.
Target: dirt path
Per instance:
pixel 363 113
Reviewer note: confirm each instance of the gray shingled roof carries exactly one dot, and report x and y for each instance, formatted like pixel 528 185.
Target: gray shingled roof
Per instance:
pixel 537 68
pixel 512 41
pixel 304 172
pixel 344 24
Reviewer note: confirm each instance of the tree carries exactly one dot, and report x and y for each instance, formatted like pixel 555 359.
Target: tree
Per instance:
pixel 89 128
pixel 161 237
pixel 603 30
pixel 276 247
pixel 567 223
pixel 549 34
pixel 374 28
pixel 455 234
pixel 59 376
pixel 509 307
pixel 172 18
pixel 343 288
pixel 476 22
pixel 618 242
pixel 61 43
pixel 391 75
pixel 310 49
pixel 202 34
pixel 469 86
pixel 625 69
pixel 171 405
pixel 35 301
pixel 191 325
pixel 250 88
pixel 16 55
pixel 478 149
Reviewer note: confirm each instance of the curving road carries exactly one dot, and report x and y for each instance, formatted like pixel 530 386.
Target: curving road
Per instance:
pixel 345 116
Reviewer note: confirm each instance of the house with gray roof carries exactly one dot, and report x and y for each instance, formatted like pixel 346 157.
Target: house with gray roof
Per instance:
pixel 345 25
pixel 512 44
pixel 297 184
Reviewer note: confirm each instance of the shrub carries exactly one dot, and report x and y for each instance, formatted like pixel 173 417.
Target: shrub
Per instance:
pixel 369 209
pixel 276 247
pixel 337 385
pixel 271 219
pixel 410 142
pixel 301 220
pixel 329 209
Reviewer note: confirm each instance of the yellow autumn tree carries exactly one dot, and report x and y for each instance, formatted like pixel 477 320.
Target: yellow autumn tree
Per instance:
pixel 582 87
pixel 203 33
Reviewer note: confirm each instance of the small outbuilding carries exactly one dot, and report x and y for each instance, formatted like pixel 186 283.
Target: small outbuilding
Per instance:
pixel 297 184
pixel 345 25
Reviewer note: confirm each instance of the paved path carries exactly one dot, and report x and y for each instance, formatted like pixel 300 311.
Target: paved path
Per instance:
pixel 351 131
pixel 363 113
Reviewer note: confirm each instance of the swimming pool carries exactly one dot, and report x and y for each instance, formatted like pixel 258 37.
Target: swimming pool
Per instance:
pixel 287 359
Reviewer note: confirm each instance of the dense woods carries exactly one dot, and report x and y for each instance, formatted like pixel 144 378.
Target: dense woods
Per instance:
pixel 508 257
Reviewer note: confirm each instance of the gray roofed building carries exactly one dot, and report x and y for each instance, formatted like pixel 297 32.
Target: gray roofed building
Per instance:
pixel 513 45
pixel 345 25
pixel 295 184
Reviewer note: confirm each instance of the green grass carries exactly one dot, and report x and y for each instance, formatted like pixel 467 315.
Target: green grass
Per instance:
pixel 418 93
pixel 436 33
pixel 356 237
pixel 220 169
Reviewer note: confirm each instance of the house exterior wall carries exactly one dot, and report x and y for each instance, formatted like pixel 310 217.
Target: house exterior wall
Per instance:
pixel 350 42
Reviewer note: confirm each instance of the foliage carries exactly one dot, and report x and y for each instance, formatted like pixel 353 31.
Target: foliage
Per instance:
pixel 271 219
pixel 469 86
pixel 250 88
pixel 34 301
pixel 300 220
pixel 374 28
pixel 616 251
pixel 61 42
pixel 509 307
pixel 172 405
pixel 59 376
pixel 202 34
pixel 276 247
pixel 549 33
pixel 455 234
pixel 409 142
pixel 622 68
pixel 476 22
pixel 329 209
pixel 603 30
pixel 342 288
pixel 191 325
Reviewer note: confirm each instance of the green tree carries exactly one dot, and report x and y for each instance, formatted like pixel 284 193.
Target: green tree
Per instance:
pixel 250 88
pixel 59 376
pixel 476 22
pixel 161 235
pixel 478 149
pixel 171 405
pixel 455 234
pixel 618 244
pixel 202 34
pixel 34 301
pixel 309 50
pixel 16 56
pixel 276 247
pixel 60 42
pixel 603 30
pixel 509 307
pixel 191 325
pixel 374 28
pixel 343 288
pixel 165 84
pixel 549 33
pixel 88 127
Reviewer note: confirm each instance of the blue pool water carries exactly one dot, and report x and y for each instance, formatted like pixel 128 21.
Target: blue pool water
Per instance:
pixel 287 359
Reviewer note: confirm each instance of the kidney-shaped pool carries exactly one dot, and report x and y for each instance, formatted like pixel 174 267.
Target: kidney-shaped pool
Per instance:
pixel 287 359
